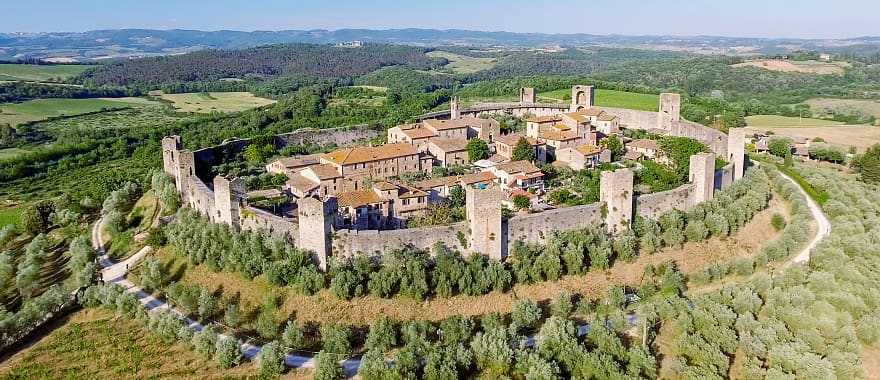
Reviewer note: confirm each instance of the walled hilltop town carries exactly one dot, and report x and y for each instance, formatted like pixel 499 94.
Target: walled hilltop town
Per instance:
pixel 350 201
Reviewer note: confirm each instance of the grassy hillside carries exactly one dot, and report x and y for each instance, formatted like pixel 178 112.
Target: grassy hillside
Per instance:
pixel 205 102
pixel 41 109
pixel 766 121
pixel 39 73
pixel 94 344
pixel 461 64
pixel 608 98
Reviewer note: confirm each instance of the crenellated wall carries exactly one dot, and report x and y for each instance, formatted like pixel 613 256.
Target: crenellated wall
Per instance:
pixel 537 227
pixel 347 243
pixel 312 229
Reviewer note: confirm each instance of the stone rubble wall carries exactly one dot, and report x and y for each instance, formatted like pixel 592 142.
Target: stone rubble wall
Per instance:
pixel 348 243
pixel 537 227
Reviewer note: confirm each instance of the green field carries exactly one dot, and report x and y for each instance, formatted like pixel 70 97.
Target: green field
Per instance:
pixel 39 73
pixel 374 88
pixel 201 102
pixel 41 109
pixel 608 98
pixel 10 153
pixel 461 64
pixel 10 215
pixel 767 121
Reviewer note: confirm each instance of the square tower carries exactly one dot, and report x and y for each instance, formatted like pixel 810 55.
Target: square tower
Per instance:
pixel 483 207
pixel 616 191
pixel 315 226
pixel 171 145
pixel 670 110
pixel 736 151
pixel 702 175
pixel 527 95
pixel 454 108
pixel 582 97
pixel 228 195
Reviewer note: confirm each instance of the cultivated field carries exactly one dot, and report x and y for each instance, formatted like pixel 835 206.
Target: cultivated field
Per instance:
pixel 461 64
pixel 808 67
pixel 771 121
pixel 867 107
pixel 859 136
pixel 608 98
pixel 95 344
pixel 39 73
pixel 42 109
pixel 374 88
pixel 201 102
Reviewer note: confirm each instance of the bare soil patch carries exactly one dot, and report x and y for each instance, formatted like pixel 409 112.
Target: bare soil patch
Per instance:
pixel 871 362
pixel 807 67
pixel 860 137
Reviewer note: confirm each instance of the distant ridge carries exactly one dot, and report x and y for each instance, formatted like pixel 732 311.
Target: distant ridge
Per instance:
pixel 104 44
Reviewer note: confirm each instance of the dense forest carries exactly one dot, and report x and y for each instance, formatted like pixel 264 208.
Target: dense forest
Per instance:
pixel 260 62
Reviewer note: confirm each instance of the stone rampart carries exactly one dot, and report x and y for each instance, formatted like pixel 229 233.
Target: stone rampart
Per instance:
pixel 653 205
pixel 537 227
pixel 254 219
pixel 347 243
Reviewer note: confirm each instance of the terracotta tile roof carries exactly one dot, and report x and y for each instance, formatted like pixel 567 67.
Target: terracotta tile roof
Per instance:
pixel 444 124
pixel 545 119
pixel 298 161
pixel 385 186
pixel 324 171
pixel 418 133
pixel 522 192
pixel 579 117
pixel 429 184
pixel 632 155
pixel 480 177
pixel 643 144
pixel 607 117
pixel 497 158
pixel 513 138
pixel 556 135
pixel 449 145
pixel 518 167
pixel 589 150
pixel 411 192
pixel 591 112
pixel 303 184
pixel 357 155
pixel 357 198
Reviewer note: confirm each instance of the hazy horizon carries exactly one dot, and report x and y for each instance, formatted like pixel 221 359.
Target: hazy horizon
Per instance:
pixel 807 19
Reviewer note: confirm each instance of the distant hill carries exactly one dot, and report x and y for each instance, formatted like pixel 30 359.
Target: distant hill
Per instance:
pixel 107 44
pixel 318 61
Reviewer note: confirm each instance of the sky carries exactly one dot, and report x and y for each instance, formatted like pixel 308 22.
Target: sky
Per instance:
pixel 740 18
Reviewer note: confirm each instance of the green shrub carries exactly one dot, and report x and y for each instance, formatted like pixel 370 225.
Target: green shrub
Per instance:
pixel 778 222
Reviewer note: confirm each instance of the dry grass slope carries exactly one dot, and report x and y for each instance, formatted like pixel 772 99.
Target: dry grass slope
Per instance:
pixel 215 101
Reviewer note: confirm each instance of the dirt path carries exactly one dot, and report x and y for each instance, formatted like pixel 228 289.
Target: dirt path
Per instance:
pixel 823 228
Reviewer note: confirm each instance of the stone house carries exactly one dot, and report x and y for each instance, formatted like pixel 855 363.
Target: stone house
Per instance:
pixel 438 189
pixel 448 152
pixel 290 165
pixel 583 157
pixel 461 128
pixel 518 175
pixel 505 144
pixel 645 147
pixel 383 205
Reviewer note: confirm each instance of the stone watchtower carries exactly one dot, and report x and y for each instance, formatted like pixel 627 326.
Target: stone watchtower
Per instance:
pixel 483 207
pixel 186 169
pixel 227 201
pixel 702 175
pixel 171 146
pixel 582 97
pixel 527 95
pixel 454 108
pixel 736 151
pixel 315 227
pixel 670 110
pixel 616 191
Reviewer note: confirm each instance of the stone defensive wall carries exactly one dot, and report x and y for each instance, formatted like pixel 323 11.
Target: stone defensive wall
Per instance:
pixel 484 231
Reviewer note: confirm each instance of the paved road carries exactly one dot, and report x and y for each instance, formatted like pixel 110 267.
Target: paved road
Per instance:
pixel 823 230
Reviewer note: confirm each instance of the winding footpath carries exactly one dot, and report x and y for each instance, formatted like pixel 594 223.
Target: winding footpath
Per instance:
pixel 823 226
pixel 113 272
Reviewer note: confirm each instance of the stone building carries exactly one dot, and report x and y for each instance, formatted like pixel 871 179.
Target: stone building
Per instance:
pixel 505 145
pixel 459 128
pixel 448 152
pixel 382 206
pixel 518 175
pixel 582 157
pixel 290 165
